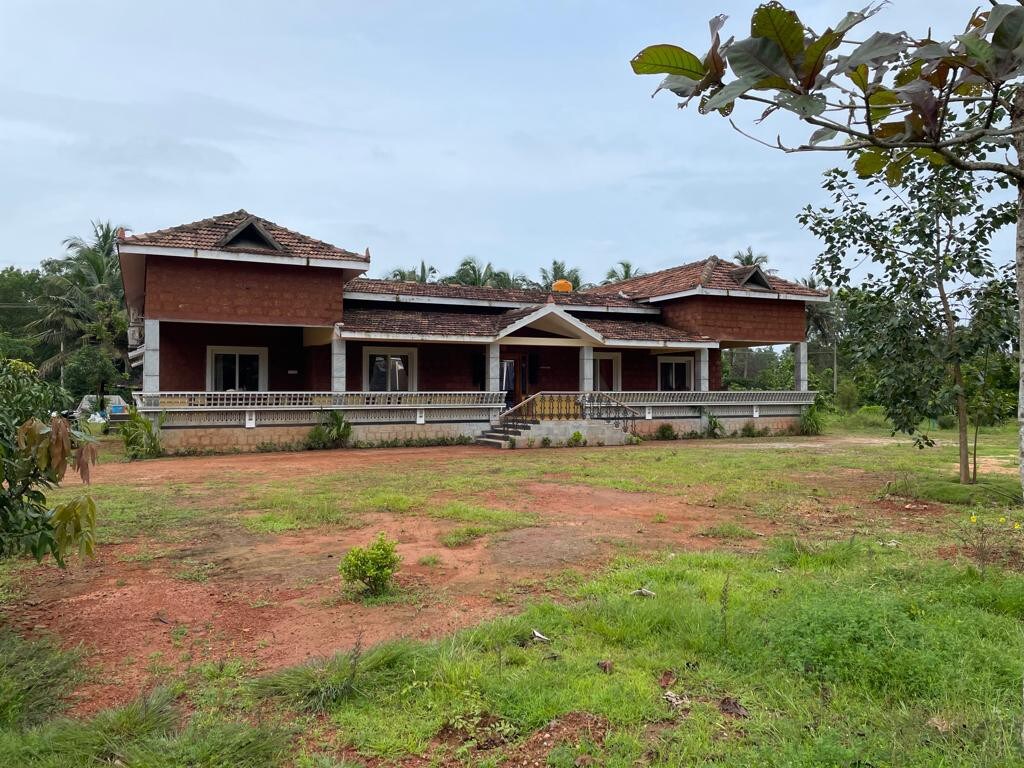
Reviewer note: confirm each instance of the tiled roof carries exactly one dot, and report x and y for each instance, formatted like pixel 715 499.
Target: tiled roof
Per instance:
pixel 713 273
pixel 420 322
pixel 209 234
pixel 640 330
pixel 518 295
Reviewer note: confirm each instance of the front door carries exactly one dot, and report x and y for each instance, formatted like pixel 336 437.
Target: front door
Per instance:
pixel 515 377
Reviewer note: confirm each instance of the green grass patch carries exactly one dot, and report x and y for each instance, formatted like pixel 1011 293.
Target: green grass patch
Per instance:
pixel 728 530
pixel 35 676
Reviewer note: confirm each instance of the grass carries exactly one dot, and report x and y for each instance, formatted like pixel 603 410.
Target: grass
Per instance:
pixel 846 650
pixel 843 655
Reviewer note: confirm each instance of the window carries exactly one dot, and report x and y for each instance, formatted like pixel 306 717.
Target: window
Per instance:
pixel 607 372
pixel 236 369
pixel 388 369
pixel 675 374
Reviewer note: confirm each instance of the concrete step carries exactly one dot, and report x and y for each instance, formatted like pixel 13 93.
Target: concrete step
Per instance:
pixel 497 433
pixel 492 442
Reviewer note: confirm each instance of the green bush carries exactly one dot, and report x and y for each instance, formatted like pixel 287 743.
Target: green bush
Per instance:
pixel 868 417
pixel 946 421
pixel 750 429
pixel 847 396
pixel 665 431
pixel 576 440
pixel 712 426
pixel 812 421
pixel 373 566
pixel 141 437
pixel 333 431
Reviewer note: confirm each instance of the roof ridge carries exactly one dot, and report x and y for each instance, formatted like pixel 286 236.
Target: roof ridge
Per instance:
pixel 709 269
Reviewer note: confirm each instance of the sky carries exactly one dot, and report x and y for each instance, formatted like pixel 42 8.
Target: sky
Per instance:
pixel 514 132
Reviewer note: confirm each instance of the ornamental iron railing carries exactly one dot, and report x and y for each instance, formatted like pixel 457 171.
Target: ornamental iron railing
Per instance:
pixel 567 406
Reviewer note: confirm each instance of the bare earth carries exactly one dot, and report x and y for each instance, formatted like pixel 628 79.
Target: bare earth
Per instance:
pixel 275 600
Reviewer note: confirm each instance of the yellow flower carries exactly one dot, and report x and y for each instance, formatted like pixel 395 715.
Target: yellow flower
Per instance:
pixel 974 518
pixel 1002 519
pixel 1016 526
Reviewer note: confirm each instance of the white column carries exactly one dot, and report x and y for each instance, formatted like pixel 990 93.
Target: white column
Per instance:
pixel 493 367
pixel 338 364
pixel 586 369
pixel 701 378
pixel 800 366
pixel 151 356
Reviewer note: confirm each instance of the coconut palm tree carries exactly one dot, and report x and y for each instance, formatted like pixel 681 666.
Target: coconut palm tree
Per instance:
pixel 747 258
pixel 821 326
pixel 623 270
pixel 559 271
pixel 471 271
pixel 82 299
pixel 422 274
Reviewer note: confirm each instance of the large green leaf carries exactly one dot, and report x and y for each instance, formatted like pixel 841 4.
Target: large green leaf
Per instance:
pixel 870 162
pixel 669 60
pixel 816 56
pixel 781 25
pixel 803 105
pixel 1008 33
pixel 760 58
pixel 729 93
pixel 880 48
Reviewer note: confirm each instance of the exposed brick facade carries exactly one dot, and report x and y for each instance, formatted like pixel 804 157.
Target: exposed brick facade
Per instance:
pixel 235 292
pixel 183 355
pixel 725 318
pixel 714 369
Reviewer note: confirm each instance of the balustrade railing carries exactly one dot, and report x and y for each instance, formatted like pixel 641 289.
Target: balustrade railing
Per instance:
pixel 277 401
pixel 567 406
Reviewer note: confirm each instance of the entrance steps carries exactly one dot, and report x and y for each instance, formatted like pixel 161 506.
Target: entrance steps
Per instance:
pixel 497 438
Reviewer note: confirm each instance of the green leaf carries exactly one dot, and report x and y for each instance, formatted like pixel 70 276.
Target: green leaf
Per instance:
pixel 776 23
pixel 870 162
pixel 1008 32
pixel 680 86
pixel 859 76
pixel 667 59
pixel 816 56
pixel 728 93
pixel 803 105
pixel 977 48
pixel 822 135
pixel 878 101
pixel 880 48
pixel 760 58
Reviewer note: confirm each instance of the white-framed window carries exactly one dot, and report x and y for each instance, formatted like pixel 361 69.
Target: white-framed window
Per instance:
pixel 675 374
pixel 236 369
pixel 389 369
pixel 607 371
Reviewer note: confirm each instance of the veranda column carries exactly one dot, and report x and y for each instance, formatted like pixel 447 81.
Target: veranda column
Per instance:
pixel 800 366
pixel 701 378
pixel 586 369
pixel 493 367
pixel 338 364
pixel 151 356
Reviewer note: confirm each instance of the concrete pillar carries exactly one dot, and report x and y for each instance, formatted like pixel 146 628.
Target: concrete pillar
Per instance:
pixel 338 364
pixel 700 376
pixel 800 366
pixel 493 367
pixel 586 369
pixel 151 356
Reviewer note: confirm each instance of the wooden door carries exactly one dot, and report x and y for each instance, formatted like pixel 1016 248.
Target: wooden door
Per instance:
pixel 515 376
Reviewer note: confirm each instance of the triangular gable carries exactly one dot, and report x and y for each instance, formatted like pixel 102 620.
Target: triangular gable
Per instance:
pixel 752 277
pixel 250 234
pixel 552 319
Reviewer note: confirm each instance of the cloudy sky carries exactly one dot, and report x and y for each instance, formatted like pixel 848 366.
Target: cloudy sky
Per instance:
pixel 510 131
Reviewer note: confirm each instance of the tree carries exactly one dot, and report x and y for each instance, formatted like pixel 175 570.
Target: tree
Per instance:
pixel 559 271
pixel 623 270
pixel 822 331
pixel 747 258
pixel 82 300
pixel 36 449
pixel 930 237
pixel 421 274
pixel 882 100
pixel 472 271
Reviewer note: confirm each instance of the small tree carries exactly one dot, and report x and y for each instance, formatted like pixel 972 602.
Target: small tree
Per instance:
pixel 36 448
pixel 882 100
pixel 929 233
pixel 373 566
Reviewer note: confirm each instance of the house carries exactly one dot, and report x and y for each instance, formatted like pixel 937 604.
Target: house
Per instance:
pixel 247 332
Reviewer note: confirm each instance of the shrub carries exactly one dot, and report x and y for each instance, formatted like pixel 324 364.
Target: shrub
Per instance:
pixel 545 442
pixel 847 396
pixel 868 417
pixel 712 426
pixel 946 421
pixel 373 566
pixel 333 431
pixel 812 422
pixel 665 431
pixel 576 440
pixel 141 437
pixel 750 430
